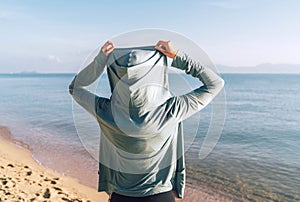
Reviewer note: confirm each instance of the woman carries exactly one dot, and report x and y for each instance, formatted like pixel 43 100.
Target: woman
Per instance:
pixel 141 148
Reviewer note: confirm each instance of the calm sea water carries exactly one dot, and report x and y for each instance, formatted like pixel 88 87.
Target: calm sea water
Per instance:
pixel 257 157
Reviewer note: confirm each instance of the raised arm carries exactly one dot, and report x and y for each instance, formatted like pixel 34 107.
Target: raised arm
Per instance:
pixel 87 76
pixel 184 106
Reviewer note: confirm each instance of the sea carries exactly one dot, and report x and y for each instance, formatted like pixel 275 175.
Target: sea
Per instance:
pixel 256 156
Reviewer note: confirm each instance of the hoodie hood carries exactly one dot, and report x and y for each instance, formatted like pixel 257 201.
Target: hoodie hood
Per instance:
pixel 138 79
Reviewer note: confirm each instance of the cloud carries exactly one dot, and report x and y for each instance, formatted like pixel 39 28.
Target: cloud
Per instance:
pixel 224 4
pixel 4 15
pixel 54 58
pixel 14 12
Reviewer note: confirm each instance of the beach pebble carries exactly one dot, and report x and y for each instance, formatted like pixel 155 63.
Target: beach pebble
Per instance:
pixel 47 193
pixel 29 173
pixel 65 199
pixel 10 165
pixel 57 188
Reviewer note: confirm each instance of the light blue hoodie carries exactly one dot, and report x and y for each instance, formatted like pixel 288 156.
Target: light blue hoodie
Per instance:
pixel 141 148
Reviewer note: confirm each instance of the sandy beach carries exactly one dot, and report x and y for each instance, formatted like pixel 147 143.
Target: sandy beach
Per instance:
pixel 23 179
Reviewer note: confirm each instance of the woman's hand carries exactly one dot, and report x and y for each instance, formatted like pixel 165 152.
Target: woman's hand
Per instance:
pixel 166 48
pixel 108 47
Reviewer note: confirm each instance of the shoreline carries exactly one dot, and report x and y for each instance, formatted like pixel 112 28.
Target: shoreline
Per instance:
pixel 23 176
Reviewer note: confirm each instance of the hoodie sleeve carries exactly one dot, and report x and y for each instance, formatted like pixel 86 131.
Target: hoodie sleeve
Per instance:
pixel 184 106
pixel 86 77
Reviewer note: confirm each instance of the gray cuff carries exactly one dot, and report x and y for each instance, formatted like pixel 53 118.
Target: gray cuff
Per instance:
pixel 101 58
pixel 178 60
pixel 183 61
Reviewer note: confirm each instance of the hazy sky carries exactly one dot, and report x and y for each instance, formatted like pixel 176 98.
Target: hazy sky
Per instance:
pixel 57 35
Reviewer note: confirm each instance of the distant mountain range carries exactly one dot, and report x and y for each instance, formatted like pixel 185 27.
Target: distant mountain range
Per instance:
pixel 28 72
pixel 262 68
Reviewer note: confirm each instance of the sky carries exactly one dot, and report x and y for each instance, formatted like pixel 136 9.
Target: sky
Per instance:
pixel 57 36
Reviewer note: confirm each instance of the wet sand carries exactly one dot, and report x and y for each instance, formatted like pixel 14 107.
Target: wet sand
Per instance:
pixel 23 179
